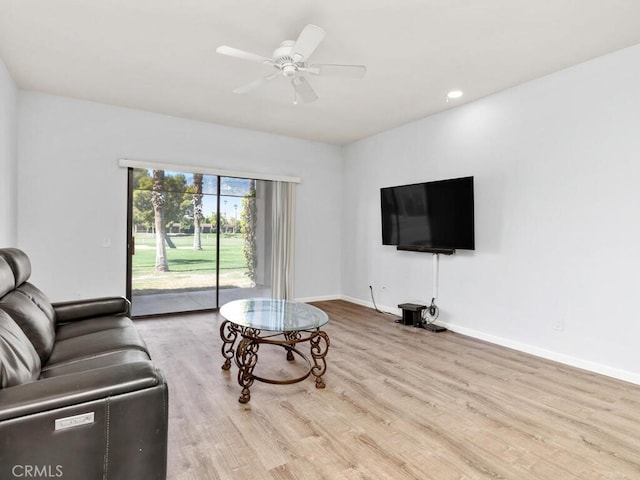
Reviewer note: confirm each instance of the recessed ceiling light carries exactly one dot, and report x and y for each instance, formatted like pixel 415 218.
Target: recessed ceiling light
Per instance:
pixel 453 94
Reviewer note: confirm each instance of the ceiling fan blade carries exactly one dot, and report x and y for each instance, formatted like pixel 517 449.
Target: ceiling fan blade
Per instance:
pixel 255 83
pixel 307 42
pixel 344 71
pixel 303 90
pixel 234 52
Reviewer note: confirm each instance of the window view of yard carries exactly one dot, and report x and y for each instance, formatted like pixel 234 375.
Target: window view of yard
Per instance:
pixel 189 268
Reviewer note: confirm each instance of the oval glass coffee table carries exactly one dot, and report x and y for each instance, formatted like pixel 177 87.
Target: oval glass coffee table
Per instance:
pixel 249 323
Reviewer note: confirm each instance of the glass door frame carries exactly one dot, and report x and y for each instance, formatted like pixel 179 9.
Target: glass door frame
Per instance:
pixel 131 249
pixel 131 243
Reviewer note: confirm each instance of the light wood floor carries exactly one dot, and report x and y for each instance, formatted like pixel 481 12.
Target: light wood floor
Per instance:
pixel 400 403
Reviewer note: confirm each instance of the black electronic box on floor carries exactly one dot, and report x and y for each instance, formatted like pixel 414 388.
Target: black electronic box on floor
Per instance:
pixel 411 313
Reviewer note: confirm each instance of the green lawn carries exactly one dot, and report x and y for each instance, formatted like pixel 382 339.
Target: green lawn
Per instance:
pixel 189 268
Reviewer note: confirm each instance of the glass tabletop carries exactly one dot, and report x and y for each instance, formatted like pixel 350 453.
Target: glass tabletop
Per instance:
pixel 274 315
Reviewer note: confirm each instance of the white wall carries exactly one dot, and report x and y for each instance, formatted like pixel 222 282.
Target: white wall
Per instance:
pixel 557 223
pixel 72 194
pixel 8 158
pixel 557 191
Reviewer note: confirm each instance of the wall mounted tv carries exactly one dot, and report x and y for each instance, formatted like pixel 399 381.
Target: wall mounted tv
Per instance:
pixel 431 216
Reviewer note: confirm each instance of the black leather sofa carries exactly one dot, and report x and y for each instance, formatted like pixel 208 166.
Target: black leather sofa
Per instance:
pixel 80 397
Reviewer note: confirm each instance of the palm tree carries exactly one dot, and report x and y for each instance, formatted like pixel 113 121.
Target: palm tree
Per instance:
pixel 197 210
pixel 158 200
pixel 248 223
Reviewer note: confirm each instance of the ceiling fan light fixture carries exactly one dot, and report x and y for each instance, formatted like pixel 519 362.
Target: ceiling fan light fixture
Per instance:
pixel 289 70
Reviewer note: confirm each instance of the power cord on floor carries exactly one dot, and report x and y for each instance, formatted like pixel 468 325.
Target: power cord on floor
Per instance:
pixel 376 307
pixel 431 313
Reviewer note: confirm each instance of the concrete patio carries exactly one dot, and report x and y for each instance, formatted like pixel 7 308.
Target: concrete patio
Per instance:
pixel 189 301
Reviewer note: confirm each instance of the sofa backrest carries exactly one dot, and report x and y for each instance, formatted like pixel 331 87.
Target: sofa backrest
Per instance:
pixel 19 362
pixel 25 303
pixel 18 262
pixel 7 279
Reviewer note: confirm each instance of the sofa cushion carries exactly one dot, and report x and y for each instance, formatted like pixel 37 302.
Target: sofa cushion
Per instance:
pixel 31 310
pixel 84 327
pixel 19 362
pixel 97 343
pixel 108 359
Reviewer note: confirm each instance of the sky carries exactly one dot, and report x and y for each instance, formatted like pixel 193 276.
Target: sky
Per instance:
pixel 232 190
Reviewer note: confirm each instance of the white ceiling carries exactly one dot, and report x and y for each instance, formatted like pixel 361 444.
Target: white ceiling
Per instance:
pixel 159 55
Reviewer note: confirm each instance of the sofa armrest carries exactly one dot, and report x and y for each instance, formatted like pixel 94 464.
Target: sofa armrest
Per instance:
pixel 116 417
pixel 94 307
pixel 67 390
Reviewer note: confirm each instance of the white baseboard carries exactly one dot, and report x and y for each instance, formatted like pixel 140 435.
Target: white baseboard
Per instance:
pixel 323 298
pixel 590 366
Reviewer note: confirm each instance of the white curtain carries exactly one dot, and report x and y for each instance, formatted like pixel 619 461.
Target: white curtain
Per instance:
pixel 284 196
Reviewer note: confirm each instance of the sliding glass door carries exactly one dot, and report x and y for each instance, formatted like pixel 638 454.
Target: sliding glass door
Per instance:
pixel 196 241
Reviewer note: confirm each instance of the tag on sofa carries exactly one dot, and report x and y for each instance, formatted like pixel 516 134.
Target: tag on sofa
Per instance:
pixel 75 421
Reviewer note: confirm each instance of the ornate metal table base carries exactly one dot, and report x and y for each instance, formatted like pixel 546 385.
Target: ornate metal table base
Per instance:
pixel 246 353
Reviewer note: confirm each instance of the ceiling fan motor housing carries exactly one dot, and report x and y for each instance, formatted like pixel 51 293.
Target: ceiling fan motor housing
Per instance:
pixel 284 50
pixel 284 60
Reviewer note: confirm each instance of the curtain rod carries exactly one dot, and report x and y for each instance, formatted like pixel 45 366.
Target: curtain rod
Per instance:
pixel 126 162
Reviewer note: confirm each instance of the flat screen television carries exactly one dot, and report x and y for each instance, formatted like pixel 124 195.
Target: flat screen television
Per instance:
pixel 429 216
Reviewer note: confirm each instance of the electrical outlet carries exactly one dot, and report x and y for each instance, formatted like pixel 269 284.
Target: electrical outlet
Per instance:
pixel 559 324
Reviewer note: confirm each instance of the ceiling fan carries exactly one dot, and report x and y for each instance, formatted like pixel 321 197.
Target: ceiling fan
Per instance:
pixel 291 61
